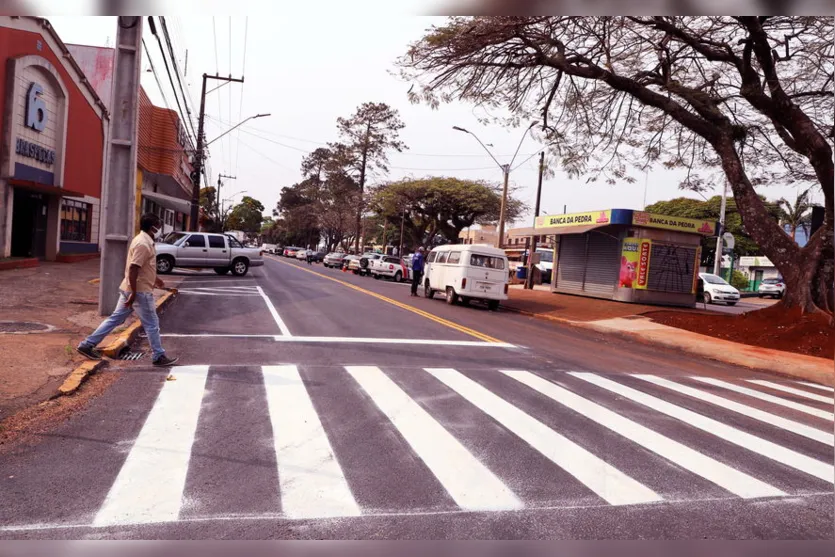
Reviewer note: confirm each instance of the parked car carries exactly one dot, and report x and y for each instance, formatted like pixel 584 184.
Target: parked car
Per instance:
pixel 290 251
pixel 389 266
pixel 774 287
pixel 717 289
pixel 333 259
pixel 467 272
pixel 268 248
pixel 221 252
pixel 348 259
pixel 363 263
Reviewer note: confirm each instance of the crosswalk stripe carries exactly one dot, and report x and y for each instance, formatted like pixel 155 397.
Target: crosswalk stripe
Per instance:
pixel 312 482
pixel 753 443
pixel 755 413
pixel 792 390
pixel 470 484
pixel 732 480
pixel 816 386
pixel 767 397
pixel 149 486
pixel 605 480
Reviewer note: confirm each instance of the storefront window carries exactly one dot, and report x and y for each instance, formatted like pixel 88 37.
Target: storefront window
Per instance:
pixel 75 217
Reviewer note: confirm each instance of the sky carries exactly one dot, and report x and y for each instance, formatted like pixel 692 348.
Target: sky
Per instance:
pixel 307 71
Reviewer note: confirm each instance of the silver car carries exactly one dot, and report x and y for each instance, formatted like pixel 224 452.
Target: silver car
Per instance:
pixel 334 259
pixel 774 287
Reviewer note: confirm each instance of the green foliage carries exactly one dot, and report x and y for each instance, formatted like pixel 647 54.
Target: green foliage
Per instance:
pixel 739 280
pixel 246 216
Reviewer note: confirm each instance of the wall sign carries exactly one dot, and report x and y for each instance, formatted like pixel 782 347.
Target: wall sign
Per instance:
pixel 634 263
pixel 574 219
pixel 696 226
pixel 34 151
pixel 35 108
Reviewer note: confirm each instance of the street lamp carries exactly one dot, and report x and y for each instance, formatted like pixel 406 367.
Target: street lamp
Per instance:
pixel 237 126
pixel 505 171
pixel 222 215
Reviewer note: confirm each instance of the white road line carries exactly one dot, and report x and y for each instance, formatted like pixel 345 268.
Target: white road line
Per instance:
pixel 278 321
pixel 211 335
pixel 222 295
pixel 149 487
pixel 753 443
pixel 215 281
pixel 816 386
pixel 767 397
pixel 311 480
pixel 755 413
pixel 363 340
pixel 608 482
pixel 724 476
pixel 792 390
pixel 470 484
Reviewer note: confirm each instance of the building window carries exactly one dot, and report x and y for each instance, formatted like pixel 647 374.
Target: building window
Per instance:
pixel 75 221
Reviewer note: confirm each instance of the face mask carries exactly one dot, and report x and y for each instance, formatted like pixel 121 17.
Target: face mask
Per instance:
pixel 156 233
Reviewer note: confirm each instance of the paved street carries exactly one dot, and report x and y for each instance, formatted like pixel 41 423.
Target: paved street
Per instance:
pixel 312 403
pixel 742 306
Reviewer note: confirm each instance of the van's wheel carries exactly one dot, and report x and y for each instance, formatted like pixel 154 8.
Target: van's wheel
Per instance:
pixel 465 301
pixel 240 267
pixel 451 296
pixel 376 277
pixel 427 291
pixel 708 299
pixel 493 305
pixel 165 264
pixel 222 270
pixel 398 276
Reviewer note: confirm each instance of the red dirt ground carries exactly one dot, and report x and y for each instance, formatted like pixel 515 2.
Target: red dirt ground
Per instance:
pixel 773 327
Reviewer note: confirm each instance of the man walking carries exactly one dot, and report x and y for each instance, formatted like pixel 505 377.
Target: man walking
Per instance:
pixel 417 270
pixel 136 293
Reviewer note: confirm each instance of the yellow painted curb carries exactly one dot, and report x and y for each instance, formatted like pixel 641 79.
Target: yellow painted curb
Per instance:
pixel 77 377
pixel 126 337
pixel 407 307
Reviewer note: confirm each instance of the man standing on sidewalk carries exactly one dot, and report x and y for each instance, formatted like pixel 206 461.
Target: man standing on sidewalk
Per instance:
pixel 417 270
pixel 136 293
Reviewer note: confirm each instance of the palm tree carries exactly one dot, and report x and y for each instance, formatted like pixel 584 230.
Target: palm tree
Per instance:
pixel 797 215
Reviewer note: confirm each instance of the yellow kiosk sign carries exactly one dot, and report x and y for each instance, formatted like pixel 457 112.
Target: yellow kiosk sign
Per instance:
pixel 695 226
pixel 574 219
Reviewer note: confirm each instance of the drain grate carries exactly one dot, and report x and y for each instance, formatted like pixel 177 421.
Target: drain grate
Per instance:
pixel 132 356
pixel 24 327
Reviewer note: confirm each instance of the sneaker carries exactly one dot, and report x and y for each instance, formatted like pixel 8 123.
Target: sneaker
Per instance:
pixel 88 352
pixel 165 361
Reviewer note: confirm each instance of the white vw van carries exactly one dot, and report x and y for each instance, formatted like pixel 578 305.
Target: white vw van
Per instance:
pixel 467 272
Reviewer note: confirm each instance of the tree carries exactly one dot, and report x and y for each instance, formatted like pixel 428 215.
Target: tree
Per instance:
pixel 436 209
pixel 368 135
pixel 246 216
pixel 796 215
pixel 208 209
pixel 710 210
pixel 747 97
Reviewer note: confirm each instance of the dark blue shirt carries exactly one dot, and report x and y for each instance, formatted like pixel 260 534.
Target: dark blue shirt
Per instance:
pixel 417 262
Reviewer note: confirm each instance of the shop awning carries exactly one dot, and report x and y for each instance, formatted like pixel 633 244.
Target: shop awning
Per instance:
pixel 569 229
pixel 43 188
pixel 169 202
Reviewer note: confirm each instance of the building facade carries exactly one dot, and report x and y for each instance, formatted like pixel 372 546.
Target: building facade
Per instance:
pixel 52 154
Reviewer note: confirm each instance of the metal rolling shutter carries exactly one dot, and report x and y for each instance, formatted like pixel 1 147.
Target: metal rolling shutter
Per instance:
pixel 571 262
pixel 601 264
pixel 671 268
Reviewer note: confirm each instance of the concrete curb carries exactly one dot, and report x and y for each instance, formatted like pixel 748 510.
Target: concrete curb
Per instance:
pixel 126 337
pixel 796 366
pixel 77 377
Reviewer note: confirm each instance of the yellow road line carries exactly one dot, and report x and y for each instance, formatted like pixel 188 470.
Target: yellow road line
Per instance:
pixel 407 307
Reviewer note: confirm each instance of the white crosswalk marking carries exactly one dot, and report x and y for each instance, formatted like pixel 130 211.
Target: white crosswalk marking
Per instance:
pixel 816 386
pixel 736 482
pixel 608 482
pixel 149 487
pixel 791 390
pixel 470 484
pixel 753 443
pixel 767 397
pixel 778 421
pixel 312 482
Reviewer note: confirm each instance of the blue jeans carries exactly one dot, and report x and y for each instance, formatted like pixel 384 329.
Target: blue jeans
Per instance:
pixel 145 308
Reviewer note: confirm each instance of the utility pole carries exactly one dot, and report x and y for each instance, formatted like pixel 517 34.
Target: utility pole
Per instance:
pixel 219 203
pixel 119 195
pixel 402 224
pixel 506 169
pixel 717 263
pixel 529 281
pixel 198 160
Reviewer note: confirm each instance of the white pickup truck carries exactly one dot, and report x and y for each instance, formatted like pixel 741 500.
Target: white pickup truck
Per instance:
pixel 389 266
pixel 220 252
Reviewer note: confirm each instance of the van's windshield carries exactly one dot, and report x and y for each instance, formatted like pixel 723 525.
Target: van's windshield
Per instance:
pixel 477 260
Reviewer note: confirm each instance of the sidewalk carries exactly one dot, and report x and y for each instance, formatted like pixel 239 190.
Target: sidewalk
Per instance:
pixel 626 320
pixel 60 299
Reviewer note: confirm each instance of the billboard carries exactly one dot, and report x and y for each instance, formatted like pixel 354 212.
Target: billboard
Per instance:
pixel 680 224
pixel 634 263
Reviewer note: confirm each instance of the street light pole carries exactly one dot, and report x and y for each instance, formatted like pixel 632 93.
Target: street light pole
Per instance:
pixel 717 263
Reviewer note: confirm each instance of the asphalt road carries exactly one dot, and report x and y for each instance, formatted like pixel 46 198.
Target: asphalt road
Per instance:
pixel 742 306
pixel 312 403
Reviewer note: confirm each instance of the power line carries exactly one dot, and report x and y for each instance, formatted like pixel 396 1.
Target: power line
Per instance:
pixel 243 74
pixel 265 156
pixel 230 91
pixel 176 71
pixel 167 70
pixel 217 72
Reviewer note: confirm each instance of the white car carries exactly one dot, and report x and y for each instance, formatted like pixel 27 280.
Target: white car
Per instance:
pixel 717 289
pixel 774 287
pixel 390 267
pixel 467 272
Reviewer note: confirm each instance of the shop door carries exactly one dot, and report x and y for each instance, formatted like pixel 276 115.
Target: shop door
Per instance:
pixel 602 268
pixel 29 218
pixel 571 263
pixel 758 279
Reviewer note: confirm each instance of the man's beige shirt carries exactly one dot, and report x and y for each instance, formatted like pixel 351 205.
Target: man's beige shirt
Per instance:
pixel 143 253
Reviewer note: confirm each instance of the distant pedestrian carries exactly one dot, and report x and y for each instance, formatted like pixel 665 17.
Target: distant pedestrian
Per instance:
pixel 309 255
pixel 417 270
pixel 136 293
